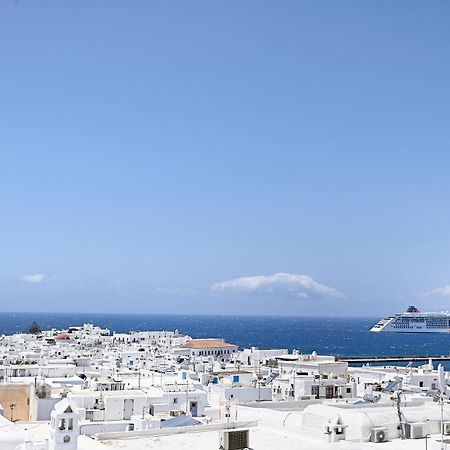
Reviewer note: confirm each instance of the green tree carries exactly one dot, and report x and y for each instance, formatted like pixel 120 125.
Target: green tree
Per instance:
pixel 34 329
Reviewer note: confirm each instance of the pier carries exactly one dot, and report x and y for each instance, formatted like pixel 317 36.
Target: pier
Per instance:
pixel 372 359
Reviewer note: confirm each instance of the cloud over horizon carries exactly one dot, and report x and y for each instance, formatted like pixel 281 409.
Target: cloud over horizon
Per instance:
pixel 35 278
pixel 288 284
pixel 441 292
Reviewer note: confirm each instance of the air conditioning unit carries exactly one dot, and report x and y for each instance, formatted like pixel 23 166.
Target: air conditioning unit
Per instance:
pixel 415 430
pixel 446 428
pixel 234 439
pixel 378 434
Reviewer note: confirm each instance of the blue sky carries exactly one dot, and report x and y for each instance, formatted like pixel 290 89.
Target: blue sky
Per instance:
pixel 224 157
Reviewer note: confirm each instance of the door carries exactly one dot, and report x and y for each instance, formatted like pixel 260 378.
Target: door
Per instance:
pixel 329 392
pixel 128 408
pixel 193 409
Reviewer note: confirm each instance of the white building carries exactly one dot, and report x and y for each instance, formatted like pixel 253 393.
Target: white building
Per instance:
pixel 207 349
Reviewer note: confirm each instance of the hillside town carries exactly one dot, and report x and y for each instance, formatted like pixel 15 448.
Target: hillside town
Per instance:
pixel 86 388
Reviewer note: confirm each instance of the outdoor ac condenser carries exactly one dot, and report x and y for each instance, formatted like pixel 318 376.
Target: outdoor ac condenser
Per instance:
pixel 415 430
pixel 234 439
pixel 446 428
pixel 378 434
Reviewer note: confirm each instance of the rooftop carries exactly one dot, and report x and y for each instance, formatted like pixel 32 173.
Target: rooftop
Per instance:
pixel 207 343
pixel 261 438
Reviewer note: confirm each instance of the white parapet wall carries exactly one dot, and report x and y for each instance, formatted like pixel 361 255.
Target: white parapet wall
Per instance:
pixel 175 430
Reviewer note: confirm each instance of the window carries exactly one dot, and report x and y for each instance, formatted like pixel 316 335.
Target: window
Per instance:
pixel 329 391
pixel 315 391
pixel 62 424
pixel 70 426
pixel 175 401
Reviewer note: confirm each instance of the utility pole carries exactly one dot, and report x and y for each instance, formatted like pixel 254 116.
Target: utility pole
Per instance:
pixel 11 407
pixel 293 384
pixel 426 441
pixel 187 395
pixel 398 400
pixel 259 380
pixel 442 420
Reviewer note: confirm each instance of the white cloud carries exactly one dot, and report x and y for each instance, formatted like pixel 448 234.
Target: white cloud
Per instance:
pixel 439 292
pixel 35 278
pixel 174 291
pixel 291 284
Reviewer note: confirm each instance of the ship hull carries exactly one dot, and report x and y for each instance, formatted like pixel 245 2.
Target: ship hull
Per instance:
pixel 414 322
pixel 419 330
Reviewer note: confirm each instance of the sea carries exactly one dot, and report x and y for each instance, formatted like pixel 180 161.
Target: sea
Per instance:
pixel 339 336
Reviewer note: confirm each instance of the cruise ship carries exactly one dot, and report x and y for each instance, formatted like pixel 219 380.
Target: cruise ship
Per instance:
pixel 414 321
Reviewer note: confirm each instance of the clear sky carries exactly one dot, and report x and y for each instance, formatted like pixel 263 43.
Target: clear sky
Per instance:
pixel 271 157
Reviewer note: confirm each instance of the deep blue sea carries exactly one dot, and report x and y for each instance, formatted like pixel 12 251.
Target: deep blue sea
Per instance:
pixel 327 335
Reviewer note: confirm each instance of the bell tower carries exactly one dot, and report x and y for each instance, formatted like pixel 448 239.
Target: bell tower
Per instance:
pixel 64 426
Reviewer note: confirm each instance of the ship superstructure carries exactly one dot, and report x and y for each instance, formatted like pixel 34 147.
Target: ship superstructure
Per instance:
pixel 415 321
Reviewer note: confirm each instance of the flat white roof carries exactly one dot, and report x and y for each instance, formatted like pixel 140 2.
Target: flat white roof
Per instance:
pixel 261 438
